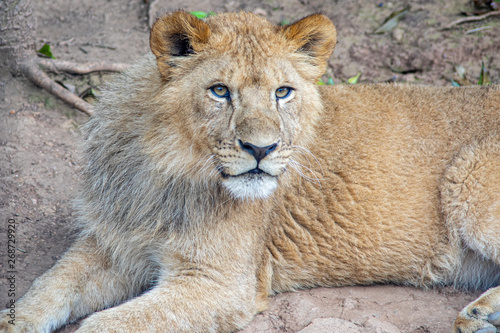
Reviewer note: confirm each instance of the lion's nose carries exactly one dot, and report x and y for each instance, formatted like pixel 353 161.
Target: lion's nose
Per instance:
pixel 258 152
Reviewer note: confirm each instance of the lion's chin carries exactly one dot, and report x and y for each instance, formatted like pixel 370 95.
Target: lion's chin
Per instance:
pixel 251 186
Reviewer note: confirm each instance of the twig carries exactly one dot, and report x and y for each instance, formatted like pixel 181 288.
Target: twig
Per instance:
pixel 70 67
pixel 471 19
pixel 101 46
pixel 477 30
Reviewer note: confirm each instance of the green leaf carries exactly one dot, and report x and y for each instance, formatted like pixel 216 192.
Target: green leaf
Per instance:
pixel 484 77
pixel 45 50
pixel 320 82
pixel 330 81
pixel 392 21
pixel 354 79
pixel 199 14
pixel 454 83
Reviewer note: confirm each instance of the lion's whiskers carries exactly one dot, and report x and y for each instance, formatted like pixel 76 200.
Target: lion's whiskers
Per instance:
pixel 306 152
pixel 300 168
pixel 297 166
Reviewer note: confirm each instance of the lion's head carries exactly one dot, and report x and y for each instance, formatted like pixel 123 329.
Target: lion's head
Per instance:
pixel 239 93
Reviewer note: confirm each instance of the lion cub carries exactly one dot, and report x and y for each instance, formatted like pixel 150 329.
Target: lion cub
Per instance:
pixel 218 172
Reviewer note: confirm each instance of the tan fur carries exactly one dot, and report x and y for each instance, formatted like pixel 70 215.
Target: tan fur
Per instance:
pixel 363 184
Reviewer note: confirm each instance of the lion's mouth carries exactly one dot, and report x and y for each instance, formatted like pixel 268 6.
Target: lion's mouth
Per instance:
pixel 255 171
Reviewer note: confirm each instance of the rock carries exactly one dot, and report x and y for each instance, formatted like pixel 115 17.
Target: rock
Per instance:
pixel 374 325
pixel 398 34
pixel 334 325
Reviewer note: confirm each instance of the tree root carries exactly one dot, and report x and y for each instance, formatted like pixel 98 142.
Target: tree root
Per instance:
pixel 56 66
pixel 31 69
pixel 471 19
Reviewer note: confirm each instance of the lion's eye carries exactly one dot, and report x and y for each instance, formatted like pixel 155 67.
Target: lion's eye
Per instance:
pixel 220 91
pixel 283 92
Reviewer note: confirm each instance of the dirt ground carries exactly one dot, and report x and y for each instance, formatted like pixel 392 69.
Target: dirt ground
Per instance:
pixel 39 135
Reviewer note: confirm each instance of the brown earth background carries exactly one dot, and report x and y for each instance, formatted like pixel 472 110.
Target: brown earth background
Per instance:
pixel 39 135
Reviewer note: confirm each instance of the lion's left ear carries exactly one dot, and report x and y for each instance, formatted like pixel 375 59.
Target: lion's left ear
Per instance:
pixel 314 35
pixel 178 34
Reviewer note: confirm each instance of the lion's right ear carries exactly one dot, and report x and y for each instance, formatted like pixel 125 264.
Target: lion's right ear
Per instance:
pixel 176 35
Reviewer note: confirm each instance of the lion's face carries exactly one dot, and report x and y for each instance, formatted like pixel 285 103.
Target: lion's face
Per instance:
pixel 251 114
pixel 241 95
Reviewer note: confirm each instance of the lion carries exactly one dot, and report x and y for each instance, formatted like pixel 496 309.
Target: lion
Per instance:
pixel 218 173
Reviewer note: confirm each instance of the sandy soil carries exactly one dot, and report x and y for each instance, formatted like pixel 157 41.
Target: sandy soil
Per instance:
pixel 39 135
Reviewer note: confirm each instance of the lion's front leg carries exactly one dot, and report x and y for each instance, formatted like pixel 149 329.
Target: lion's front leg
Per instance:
pixel 198 301
pixel 82 282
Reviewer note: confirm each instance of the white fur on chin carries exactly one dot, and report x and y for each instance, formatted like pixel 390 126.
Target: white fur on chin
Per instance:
pixel 251 187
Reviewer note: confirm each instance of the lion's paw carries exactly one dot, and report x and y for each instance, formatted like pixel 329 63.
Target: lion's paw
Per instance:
pixel 480 316
pixel 9 323
pixel 473 321
pixel 14 323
